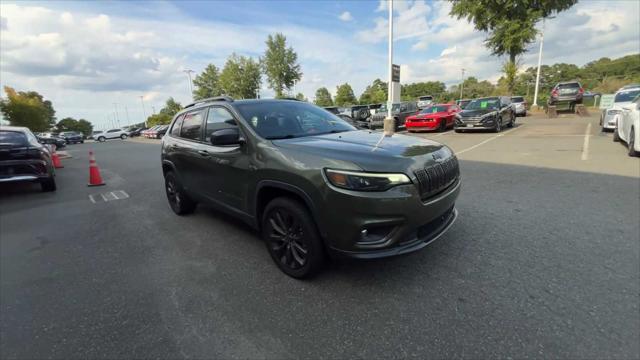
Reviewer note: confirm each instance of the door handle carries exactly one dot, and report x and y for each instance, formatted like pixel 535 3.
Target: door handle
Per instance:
pixel 203 152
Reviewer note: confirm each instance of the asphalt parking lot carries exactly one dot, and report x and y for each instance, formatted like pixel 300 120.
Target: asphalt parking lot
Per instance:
pixel 544 261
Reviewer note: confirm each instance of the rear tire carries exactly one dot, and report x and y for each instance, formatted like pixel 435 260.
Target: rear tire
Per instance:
pixel 457 130
pixel 123 136
pixel 616 136
pixel 49 184
pixel 180 203
pixel 498 126
pixel 292 239
pixel 512 122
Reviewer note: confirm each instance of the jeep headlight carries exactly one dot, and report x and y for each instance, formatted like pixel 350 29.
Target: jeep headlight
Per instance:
pixel 488 116
pixel 365 181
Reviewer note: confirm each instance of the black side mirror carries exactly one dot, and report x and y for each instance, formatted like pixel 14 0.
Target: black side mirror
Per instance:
pixel 226 137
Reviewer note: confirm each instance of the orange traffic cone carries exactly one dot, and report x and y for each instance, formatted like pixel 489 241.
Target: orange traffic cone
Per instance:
pixel 94 172
pixel 55 158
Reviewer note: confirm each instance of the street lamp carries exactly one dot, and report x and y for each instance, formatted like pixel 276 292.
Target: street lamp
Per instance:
pixel 535 93
pixel 144 114
pixel 462 84
pixel 188 72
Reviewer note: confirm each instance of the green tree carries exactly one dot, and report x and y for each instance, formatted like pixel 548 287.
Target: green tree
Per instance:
pixel 158 119
pixel 240 77
pixel 375 93
pixel 323 97
pixel 27 109
pixel 345 96
pixel 207 84
pixel 280 64
pixel 85 127
pixel 171 107
pixel 510 23
pixel 70 124
pixel 300 96
pixel 413 91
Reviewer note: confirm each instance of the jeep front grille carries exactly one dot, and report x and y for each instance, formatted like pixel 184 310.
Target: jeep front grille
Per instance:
pixel 435 178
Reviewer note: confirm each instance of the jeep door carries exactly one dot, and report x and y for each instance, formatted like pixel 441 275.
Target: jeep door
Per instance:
pixel 187 150
pixel 227 174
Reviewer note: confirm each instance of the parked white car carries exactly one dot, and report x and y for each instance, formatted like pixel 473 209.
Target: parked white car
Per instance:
pixel 622 98
pixel 111 134
pixel 424 101
pixel 628 126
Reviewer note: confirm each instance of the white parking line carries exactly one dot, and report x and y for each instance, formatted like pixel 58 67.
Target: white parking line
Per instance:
pixel 585 145
pixel 488 140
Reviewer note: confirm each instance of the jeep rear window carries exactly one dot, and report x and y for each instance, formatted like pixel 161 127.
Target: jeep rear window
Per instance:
pixel 289 119
pixel 569 86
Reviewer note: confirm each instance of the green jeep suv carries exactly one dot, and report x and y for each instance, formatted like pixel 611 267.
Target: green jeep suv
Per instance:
pixel 312 184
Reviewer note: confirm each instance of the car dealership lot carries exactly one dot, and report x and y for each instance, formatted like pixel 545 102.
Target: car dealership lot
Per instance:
pixel 542 262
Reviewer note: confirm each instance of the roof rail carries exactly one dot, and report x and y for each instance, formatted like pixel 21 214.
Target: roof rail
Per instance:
pixel 215 98
pixel 289 98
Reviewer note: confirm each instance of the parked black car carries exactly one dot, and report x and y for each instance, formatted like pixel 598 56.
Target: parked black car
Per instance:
pixel 23 158
pixel 72 137
pixel 52 140
pixel 336 111
pixel 491 113
pixel 399 111
pixel 311 183
pixel 161 131
pixel 136 131
pixel 570 92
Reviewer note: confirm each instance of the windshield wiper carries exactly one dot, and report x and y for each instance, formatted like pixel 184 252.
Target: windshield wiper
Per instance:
pixel 278 137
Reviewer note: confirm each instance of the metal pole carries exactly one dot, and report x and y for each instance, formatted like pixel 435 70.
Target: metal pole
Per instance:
pixel 535 93
pixel 390 49
pixel 115 105
pixel 127 112
pixel 462 84
pixel 188 72
pixel 144 115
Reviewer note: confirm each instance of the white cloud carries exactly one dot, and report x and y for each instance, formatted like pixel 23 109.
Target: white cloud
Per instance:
pixel 409 21
pixel 449 51
pixel 345 16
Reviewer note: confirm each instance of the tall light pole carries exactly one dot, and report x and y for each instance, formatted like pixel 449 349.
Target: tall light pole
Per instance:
pixel 188 72
pixel 389 123
pixel 126 110
pixel 117 117
pixel 535 93
pixel 144 114
pixel 462 84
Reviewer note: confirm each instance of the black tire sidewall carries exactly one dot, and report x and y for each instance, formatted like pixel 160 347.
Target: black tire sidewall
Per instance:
pixel 186 205
pixel 315 256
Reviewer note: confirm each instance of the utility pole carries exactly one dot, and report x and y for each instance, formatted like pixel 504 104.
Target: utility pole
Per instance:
pixel 462 84
pixel 389 122
pixel 188 72
pixel 535 93
pixel 126 110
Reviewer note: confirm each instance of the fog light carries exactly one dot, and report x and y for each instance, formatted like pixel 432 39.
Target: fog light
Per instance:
pixel 374 234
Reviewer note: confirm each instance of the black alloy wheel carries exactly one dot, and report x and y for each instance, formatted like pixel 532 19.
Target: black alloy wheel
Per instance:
pixel 291 238
pixel 179 202
pixel 498 126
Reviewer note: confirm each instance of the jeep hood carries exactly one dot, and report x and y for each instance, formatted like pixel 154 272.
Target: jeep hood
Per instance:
pixel 478 112
pixel 371 151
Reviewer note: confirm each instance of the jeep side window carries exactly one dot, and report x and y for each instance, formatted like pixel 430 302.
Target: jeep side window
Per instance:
pixel 218 118
pixel 175 130
pixel 192 126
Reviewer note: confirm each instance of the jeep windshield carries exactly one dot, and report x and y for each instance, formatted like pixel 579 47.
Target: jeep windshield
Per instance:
pixel 290 119
pixel 626 95
pixel 483 104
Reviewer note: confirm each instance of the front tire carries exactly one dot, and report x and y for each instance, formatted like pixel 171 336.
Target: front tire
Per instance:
pixel 291 238
pixel 498 126
pixel 179 201
pixel 443 126
pixel 512 122
pixel 631 143
pixel 102 139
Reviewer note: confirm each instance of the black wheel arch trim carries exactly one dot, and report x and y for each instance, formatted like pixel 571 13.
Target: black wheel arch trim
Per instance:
pixel 287 187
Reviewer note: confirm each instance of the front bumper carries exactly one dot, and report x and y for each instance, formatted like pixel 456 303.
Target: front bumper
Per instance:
pixel 610 121
pixel 408 222
pixel 475 125
pixel 421 125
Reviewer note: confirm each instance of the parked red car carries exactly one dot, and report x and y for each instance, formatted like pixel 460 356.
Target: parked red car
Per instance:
pixel 434 117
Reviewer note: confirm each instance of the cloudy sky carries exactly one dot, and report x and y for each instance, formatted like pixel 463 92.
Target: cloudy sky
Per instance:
pixel 88 56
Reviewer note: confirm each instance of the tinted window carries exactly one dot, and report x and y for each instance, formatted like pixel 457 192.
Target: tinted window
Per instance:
pixel 192 125
pixel 12 138
pixel 626 95
pixel 175 130
pixel 517 99
pixel 490 103
pixel 113 130
pixel 569 86
pixel 285 119
pixel 434 109
pixel 423 98
pixel 218 118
